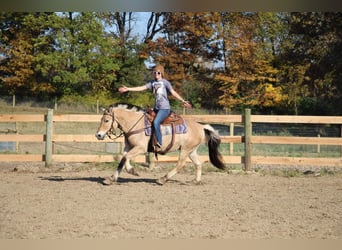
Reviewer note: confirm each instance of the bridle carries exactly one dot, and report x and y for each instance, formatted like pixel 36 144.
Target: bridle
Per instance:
pixel 112 130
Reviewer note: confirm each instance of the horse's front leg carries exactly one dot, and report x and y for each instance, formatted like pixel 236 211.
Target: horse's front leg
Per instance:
pixel 114 178
pixel 125 162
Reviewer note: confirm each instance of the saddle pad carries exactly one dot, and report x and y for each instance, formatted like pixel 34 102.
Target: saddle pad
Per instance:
pixel 166 129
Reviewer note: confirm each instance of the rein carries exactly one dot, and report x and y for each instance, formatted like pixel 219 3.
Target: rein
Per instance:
pixel 128 133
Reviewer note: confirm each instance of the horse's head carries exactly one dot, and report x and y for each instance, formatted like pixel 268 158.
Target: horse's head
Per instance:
pixel 107 125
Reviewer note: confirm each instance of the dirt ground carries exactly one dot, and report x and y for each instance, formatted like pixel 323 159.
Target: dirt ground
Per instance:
pixel 36 203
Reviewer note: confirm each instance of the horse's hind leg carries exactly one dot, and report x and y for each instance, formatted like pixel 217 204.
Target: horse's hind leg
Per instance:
pixel 198 164
pixel 180 165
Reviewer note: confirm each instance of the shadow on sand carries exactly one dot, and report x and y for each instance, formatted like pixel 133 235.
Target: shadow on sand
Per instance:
pixel 99 180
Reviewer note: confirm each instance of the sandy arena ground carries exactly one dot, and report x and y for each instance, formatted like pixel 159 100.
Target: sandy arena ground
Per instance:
pixel 66 204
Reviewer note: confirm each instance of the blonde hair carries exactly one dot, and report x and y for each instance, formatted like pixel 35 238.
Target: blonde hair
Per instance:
pixel 159 68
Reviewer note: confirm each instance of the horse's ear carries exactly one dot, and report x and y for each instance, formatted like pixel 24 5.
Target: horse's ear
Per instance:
pixel 103 109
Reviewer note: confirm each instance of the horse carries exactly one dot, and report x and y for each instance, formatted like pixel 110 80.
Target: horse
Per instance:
pixel 130 120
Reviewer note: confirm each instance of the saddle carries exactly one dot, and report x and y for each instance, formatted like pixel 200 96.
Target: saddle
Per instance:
pixel 173 120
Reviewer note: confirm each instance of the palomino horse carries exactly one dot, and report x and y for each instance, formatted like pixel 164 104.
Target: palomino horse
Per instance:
pixel 131 121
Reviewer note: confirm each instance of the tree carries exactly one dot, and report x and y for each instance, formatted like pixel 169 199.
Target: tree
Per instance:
pixel 17 49
pixel 315 47
pixel 82 62
pixel 249 77
pixel 188 43
pixel 129 54
pixel 272 62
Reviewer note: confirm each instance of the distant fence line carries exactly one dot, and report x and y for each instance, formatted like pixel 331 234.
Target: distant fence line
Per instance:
pixel 52 121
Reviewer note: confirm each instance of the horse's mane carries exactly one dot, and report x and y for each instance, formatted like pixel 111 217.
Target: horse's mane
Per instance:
pixel 127 106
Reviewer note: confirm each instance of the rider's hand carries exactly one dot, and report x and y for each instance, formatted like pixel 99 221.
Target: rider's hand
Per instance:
pixel 122 89
pixel 187 104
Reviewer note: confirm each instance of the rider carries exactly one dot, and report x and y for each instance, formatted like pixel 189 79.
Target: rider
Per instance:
pixel 160 88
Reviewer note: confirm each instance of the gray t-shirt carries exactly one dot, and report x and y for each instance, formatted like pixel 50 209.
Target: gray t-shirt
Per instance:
pixel 160 89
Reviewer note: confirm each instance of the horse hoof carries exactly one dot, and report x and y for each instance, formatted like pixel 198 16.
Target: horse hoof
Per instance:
pixel 108 181
pixel 161 181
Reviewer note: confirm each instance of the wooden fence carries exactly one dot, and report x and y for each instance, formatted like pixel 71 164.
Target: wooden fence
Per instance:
pixel 51 121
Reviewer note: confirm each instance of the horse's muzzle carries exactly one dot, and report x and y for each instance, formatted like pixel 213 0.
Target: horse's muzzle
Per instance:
pixel 100 136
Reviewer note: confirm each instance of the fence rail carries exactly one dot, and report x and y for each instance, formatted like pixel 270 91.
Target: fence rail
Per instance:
pixel 51 122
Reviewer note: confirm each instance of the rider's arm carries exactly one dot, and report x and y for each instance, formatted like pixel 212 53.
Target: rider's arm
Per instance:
pixel 175 94
pixel 123 89
pixel 185 103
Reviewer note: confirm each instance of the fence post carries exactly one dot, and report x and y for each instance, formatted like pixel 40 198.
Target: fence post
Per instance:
pixel 248 137
pixel 231 133
pixel 56 103
pixel 48 138
pixel 341 137
pixel 319 145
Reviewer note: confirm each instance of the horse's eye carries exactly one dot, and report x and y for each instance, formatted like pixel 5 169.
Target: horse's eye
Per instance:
pixel 106 120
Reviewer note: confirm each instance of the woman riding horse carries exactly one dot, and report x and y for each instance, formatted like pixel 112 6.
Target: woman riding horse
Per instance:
pixel 131 121
pixel 160 88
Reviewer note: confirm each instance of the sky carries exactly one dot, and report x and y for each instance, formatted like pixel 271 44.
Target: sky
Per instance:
pixel 142 18
pixel 140 30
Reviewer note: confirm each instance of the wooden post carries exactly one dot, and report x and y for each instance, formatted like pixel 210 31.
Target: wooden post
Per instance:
pixel 13 101
pixel 248 137
pixel 319 145
pixel 231 133
pixel 341 137
pixel 149 158
pixel 17 142
pixel 48 138
pixel 56 105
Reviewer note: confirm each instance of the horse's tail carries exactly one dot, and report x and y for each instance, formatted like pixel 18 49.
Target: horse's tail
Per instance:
pixel 214 141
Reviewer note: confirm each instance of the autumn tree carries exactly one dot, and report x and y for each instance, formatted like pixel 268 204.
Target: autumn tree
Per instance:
pixel 17 48
pixel 269 61
pixel 189 39
pixel 249 77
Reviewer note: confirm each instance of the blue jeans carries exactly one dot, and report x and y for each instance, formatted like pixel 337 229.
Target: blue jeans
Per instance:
pixel 161 115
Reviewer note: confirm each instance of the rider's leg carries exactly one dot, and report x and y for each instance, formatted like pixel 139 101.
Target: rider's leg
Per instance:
pixel 160 117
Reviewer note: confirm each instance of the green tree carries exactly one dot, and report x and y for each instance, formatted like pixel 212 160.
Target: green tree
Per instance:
pixel 129 55
pixel 315 47
pixel 46 54
pixel 82 61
